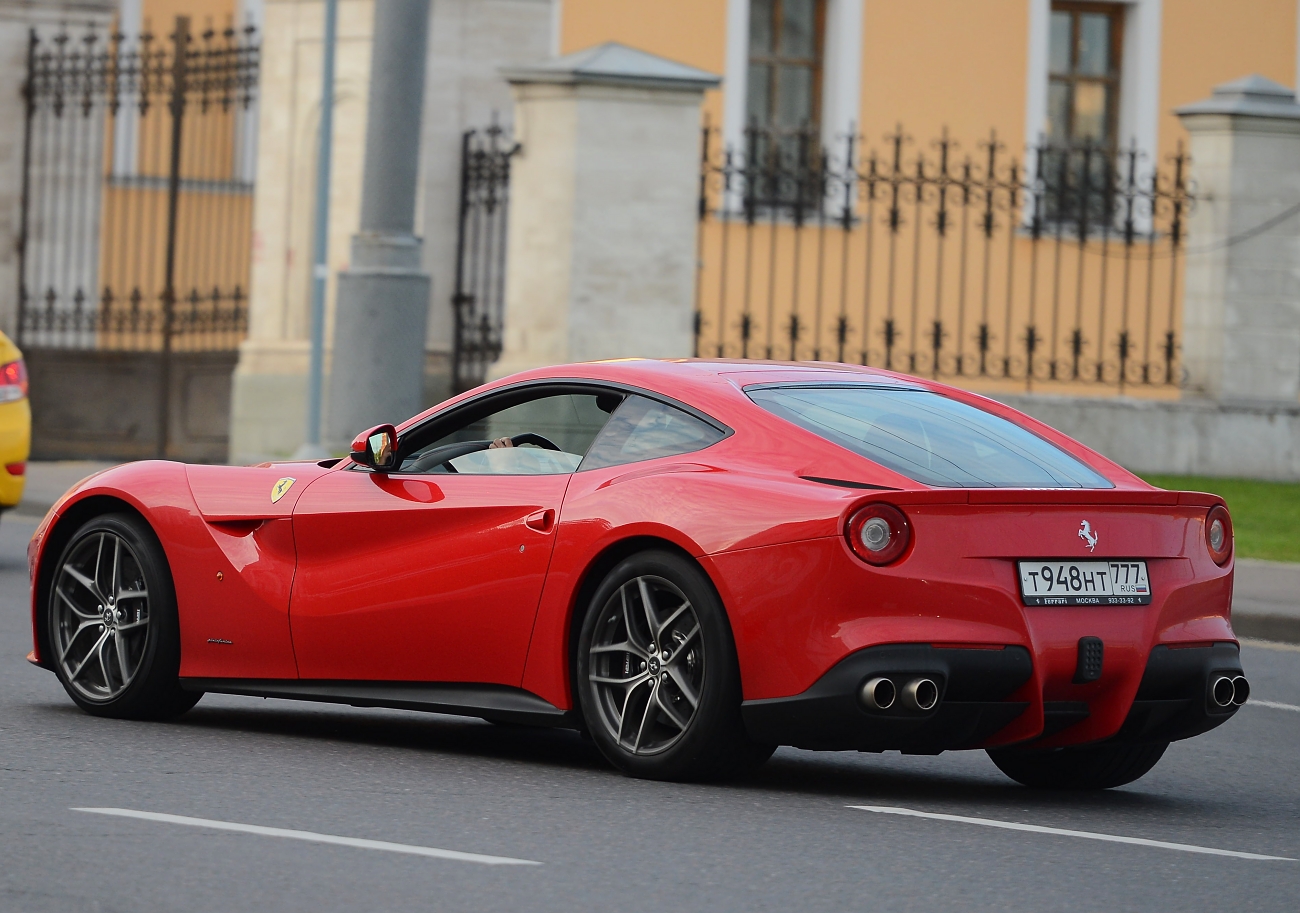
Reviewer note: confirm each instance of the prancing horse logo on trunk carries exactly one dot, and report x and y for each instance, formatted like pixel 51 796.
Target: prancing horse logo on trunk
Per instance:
pixel 1088 535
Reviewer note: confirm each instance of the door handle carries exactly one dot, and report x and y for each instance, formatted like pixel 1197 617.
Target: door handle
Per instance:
pixel 541 521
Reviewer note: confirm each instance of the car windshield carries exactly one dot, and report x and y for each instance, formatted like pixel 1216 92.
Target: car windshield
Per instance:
pixel 927 437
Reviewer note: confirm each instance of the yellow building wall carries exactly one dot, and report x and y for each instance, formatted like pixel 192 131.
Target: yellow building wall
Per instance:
pixel 931 64
pixel 959 65
pixel 160 15
pixel 1207 42
pixel 693 32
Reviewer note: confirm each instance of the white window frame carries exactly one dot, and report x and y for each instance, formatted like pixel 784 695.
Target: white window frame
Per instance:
pixel 1297 47
pixel 251 12
pixel 1139 87
pixel 126 124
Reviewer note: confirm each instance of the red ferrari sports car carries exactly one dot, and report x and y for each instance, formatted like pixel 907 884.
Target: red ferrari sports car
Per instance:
pixel 693 562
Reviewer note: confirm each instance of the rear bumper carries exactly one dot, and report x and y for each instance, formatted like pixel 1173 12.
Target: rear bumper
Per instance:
pixel 974 686
pixel 1173 701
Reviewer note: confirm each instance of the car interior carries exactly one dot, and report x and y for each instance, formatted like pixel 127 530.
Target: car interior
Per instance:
pixel 552 431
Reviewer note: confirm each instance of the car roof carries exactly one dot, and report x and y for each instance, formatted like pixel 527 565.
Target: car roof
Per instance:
pixel 701 382
pixel 739 373
pixel 716 388
pixel 775 372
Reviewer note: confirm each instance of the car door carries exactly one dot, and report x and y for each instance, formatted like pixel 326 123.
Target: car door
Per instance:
pixel 432 573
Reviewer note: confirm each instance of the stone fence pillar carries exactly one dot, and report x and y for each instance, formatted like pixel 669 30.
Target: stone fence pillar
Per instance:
pixel 600 258
pixel 1241 323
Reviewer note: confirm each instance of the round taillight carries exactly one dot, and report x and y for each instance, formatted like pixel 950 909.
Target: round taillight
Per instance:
pixel 879 533
pixel 13 381
pixel 1218 534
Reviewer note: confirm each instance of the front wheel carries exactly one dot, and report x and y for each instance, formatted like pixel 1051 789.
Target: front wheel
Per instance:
pixel 113 626
pixel 658 681
pixel 1091 767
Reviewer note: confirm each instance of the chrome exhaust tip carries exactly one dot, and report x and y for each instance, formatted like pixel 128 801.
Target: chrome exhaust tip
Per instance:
pixel 1222 691
pixel 921 694
pixel 878 694
pixel 1240 690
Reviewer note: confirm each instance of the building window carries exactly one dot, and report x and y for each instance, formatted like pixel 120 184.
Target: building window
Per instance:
pixel 1084 74
pixel 783 103
pixel 1078 165
pixel 785 65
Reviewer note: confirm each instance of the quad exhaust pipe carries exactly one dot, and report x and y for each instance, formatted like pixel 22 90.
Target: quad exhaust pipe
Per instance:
pixel 879 694
pixel 918 695
pixel 1229 691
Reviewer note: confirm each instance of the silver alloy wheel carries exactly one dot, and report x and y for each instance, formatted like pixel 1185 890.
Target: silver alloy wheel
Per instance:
pixel 647 665
pixel 100 616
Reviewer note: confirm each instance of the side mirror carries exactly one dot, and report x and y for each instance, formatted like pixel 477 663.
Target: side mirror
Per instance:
pixel 376 448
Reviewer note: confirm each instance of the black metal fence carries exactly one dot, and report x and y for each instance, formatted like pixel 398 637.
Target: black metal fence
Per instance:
pixel 1064 266
pixel 136 195
pixel 478 302
pixel 136 220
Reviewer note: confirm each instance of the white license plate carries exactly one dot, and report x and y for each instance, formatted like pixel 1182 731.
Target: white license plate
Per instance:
pixel 1084 582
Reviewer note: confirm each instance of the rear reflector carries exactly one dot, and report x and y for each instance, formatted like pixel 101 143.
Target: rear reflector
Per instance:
pixel 16 469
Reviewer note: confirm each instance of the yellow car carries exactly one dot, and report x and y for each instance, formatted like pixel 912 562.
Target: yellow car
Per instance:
pixel 15 424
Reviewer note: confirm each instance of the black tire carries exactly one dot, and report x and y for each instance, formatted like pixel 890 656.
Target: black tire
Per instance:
pixel 673 741
pixel 1093 767
pixel 115 566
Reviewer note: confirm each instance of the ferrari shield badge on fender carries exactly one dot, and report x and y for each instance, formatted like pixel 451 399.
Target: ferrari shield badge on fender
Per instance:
pixel 280 487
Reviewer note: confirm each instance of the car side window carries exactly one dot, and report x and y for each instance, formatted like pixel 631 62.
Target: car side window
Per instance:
pixel 643 429
pixel 545 435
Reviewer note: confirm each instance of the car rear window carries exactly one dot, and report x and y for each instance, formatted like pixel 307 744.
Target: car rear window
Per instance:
pixel 927 437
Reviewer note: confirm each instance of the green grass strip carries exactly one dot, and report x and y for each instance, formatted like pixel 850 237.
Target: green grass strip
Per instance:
pixel 1265 515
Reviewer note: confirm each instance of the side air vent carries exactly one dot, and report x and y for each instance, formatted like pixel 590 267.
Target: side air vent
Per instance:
pixel 845 483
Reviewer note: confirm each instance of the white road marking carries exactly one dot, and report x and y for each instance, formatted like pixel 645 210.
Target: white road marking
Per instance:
pixel 1256 702
pixel 1088 835
pixel 310 836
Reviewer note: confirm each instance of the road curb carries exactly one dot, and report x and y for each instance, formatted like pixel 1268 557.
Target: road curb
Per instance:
pixel 27 511
pixel 1281 628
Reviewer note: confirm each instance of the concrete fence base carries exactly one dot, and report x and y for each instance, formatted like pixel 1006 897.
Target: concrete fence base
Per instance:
pixel 1187 437
pixel 104 405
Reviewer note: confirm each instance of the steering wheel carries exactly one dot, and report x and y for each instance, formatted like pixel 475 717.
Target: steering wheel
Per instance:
pixel 448 452
pixel 443 456
pixel 536 440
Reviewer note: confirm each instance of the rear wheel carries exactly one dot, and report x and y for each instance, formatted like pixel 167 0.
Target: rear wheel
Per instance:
pixel 658 680
pixel 113 626
pixel 1092 767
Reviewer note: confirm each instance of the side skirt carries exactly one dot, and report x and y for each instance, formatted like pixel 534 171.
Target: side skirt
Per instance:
pixel 497 703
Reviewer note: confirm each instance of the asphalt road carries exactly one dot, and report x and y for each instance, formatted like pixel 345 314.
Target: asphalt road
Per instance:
pixel 785 839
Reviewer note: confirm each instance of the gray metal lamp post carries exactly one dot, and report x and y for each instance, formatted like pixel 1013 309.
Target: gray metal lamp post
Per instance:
pixel 383 297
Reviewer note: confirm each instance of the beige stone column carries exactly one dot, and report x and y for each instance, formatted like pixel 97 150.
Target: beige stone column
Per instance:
pixel 468 41
pixel 269 388
pixel 600 259
pixel 1241 318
